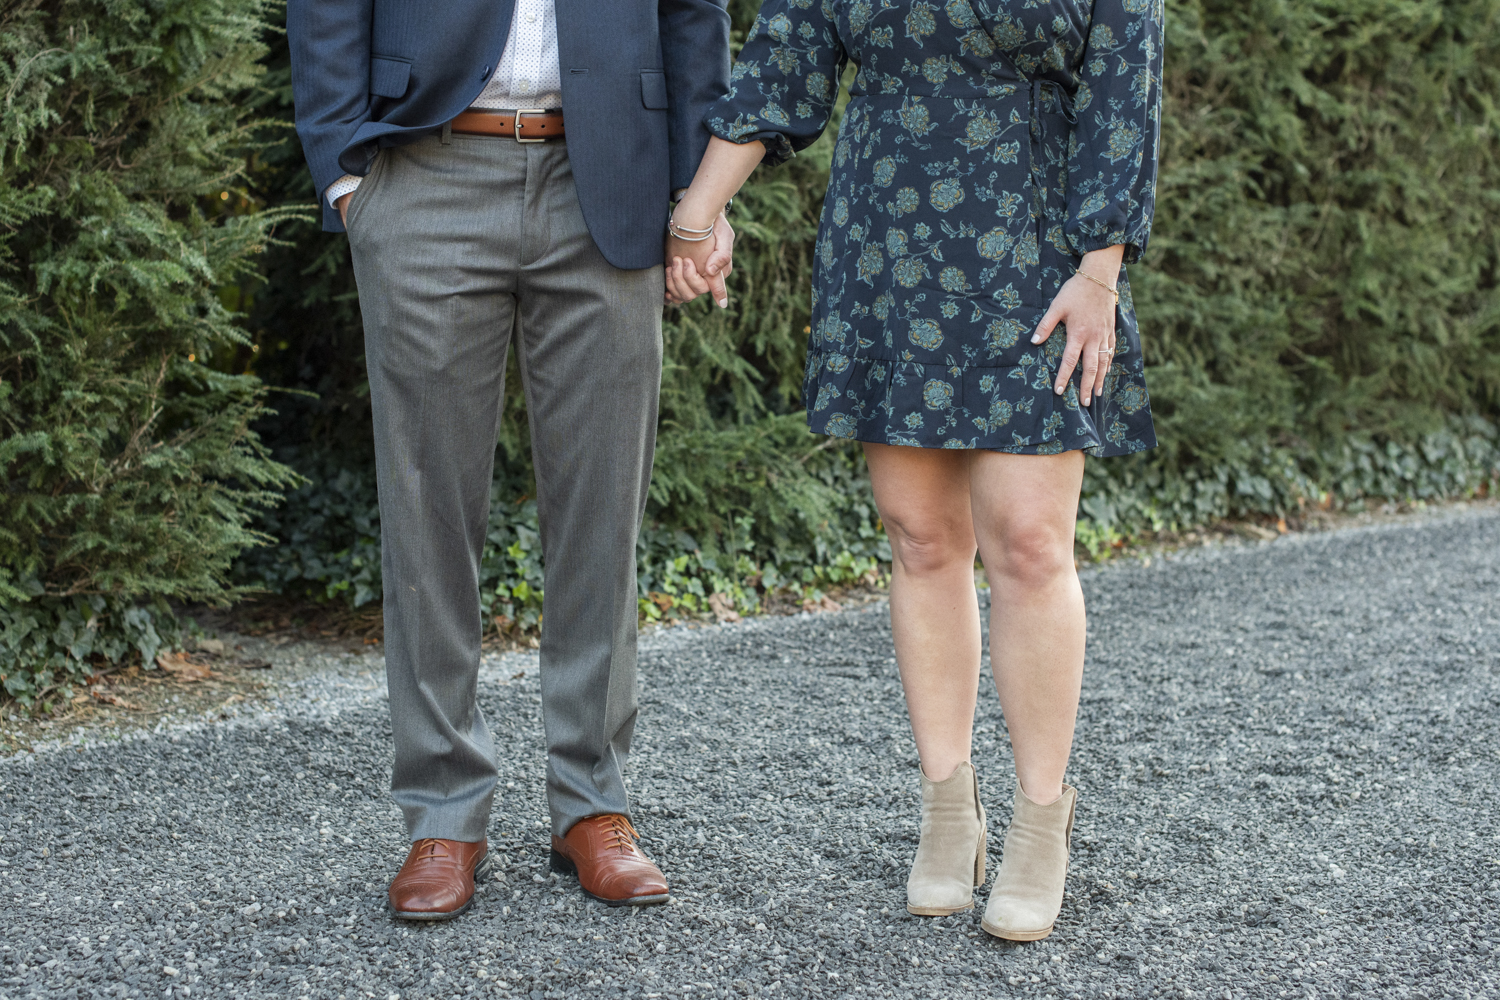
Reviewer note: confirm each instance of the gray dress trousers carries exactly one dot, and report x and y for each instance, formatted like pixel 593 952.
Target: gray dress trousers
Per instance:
pixel 461 246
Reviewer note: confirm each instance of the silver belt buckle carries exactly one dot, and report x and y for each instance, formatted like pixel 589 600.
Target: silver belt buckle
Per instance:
pixel 527 111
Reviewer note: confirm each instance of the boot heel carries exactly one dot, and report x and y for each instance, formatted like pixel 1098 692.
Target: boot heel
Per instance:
pixel 562 865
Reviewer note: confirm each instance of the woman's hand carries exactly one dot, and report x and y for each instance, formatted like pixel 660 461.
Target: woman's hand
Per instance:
pixel 697 267
pixel 1087 309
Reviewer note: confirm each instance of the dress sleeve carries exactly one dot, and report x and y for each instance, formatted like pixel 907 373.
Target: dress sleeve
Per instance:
pixel 785 81
pixel 1112 169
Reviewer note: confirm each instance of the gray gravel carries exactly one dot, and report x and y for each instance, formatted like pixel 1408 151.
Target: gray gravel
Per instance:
pixel 1287 758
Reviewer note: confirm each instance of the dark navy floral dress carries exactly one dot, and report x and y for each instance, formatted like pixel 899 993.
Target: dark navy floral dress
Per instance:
pixel 988 144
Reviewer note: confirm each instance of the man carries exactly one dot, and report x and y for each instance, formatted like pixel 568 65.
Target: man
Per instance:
pixel 503 168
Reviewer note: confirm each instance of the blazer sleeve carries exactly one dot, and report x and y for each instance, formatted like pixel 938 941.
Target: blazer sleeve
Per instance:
pixel 330 49
pixel 695 54
pixel 785 81
pixel 1112 170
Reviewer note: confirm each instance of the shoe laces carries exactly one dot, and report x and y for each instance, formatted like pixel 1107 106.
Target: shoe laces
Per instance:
pixel 619 834
pixel 430 849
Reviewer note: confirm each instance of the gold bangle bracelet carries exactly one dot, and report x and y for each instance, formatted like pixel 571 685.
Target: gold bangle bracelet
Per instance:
pixel 1113 290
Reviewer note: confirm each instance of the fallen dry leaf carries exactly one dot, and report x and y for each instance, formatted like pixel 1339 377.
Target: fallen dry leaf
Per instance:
pixel 113 699
pixel 184 669
pixel 722 605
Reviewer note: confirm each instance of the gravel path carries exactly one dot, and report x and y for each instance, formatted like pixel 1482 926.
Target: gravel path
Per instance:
pixel 1287 758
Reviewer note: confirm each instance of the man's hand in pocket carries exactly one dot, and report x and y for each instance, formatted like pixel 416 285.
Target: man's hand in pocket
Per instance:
pixel 342 204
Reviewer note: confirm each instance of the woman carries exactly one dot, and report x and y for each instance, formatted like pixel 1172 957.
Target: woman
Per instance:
pixel 973 329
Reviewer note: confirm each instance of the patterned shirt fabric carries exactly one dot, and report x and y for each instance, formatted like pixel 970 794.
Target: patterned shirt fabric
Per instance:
pixel 528 74
pixel 986 146
pixel 527 77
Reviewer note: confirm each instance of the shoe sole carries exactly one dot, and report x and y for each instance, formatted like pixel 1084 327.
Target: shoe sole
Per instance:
pixel 562 866
pixel 480 871
pixel 1015 935
pixel 937 911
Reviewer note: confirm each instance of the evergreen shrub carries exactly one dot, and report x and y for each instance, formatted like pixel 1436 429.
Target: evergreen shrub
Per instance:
pixel 1319 308
pixel 1319 311
pixel 128 467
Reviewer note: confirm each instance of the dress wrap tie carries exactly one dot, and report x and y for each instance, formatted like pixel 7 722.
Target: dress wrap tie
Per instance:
pixel 1049 100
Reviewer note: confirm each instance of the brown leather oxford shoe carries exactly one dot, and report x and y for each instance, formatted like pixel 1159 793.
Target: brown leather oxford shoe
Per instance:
pixel 601 851
pixel 437 880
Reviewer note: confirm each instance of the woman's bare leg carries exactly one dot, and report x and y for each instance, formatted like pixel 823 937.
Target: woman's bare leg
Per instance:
pixel 1024 509
pixel 923 498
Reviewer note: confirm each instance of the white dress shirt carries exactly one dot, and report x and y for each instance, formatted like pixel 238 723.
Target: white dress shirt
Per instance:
pixel 527 77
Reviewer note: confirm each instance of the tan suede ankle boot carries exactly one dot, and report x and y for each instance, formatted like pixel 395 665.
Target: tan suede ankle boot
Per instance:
pixel 950 858
pixel 1028 891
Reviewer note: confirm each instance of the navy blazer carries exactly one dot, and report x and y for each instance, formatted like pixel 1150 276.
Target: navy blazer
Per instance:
pixel 637 76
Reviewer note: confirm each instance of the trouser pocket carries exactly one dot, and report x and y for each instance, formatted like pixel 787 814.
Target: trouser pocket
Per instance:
pixel 366 189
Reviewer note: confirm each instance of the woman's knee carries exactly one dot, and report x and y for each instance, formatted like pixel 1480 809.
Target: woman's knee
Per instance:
pixel 923 546
pixel 1032 555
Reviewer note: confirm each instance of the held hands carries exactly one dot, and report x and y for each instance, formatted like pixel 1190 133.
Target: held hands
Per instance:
pixel 697 267
pixel 1087 309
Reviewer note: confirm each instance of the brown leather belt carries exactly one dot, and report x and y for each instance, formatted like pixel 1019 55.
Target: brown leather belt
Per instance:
pixel 525 125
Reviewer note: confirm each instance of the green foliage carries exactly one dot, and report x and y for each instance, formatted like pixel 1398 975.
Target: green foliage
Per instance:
pixel 1319 305
pixel 129 466
pixel 1319 310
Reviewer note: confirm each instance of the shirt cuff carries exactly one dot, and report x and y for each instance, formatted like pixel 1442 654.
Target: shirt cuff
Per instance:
pixel 341 187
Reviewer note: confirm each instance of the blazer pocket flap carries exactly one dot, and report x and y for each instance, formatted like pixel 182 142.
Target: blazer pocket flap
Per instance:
pixel 654 89
pixel 389 77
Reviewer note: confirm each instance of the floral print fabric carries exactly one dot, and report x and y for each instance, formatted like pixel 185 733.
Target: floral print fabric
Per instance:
pixel 987 145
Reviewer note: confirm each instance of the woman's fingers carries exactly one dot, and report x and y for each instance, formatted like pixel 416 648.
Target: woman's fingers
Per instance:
pixel 684 283
pixel 1086 354
pixel 718 263
pixel 721 261
pixel 719 291
pixel 1106 359
pixel 1091 371
pixel 1049 322
pixel 1072 354
pixel 1088 317
pixel 717 268
pixel 693 269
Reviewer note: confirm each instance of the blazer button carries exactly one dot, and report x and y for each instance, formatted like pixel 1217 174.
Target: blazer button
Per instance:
pixel 484 74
